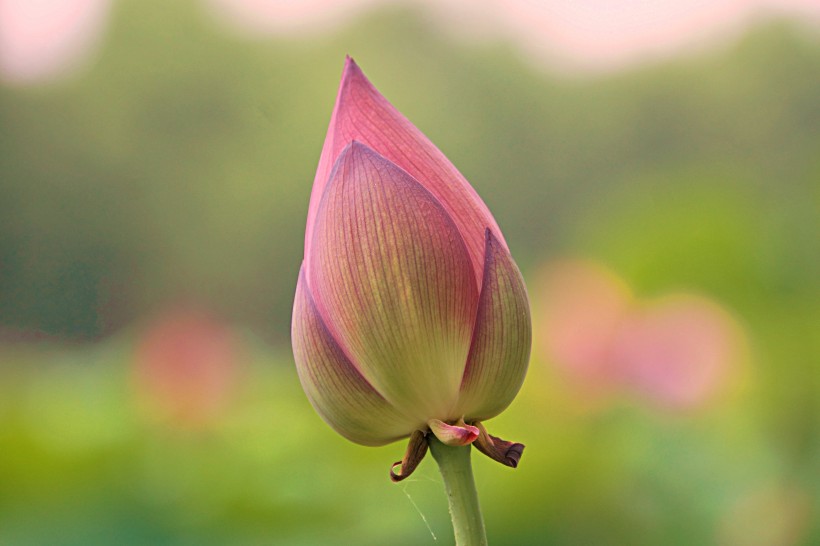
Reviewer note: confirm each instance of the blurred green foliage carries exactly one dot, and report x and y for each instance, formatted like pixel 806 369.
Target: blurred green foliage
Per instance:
pixel 178 169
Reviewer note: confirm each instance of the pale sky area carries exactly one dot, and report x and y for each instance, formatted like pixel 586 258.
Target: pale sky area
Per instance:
pixel 41 39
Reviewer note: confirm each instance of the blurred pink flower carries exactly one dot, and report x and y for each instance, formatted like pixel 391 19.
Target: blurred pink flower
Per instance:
pixel 186 367
pixel 601 35
pixel 583 306
pixel 676 352
pixel 593 35
pixel 41 39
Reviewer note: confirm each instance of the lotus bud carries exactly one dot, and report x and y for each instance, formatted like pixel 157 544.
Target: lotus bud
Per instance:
pixel 410 317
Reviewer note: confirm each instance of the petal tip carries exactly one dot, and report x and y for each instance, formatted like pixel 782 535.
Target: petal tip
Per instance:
pixel 355 148
pixel 493 241
pixel 352 72
pixel 489 237
pixel 359 147
pixel 350 63
pixel 352 154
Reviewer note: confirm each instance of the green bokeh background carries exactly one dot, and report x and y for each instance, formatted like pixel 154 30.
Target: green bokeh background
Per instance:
pixel 178 169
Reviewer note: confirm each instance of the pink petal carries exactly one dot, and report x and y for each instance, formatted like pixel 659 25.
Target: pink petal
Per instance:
pixel 502 338
pixel 187 368
pixel 392 278
pixel 453 435
pixel 363 114
pixel 344 399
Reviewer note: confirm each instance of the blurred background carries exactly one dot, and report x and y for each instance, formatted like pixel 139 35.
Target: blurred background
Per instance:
pixel 655 167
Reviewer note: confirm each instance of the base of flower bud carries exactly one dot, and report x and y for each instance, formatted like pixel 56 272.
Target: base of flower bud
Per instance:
pixel 458 435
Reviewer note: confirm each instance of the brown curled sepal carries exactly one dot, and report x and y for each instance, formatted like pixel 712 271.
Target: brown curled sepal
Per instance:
pixel 506 453
pixel 416 450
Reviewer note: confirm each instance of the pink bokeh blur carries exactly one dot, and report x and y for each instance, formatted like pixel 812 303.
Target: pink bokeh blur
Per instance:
pixel 677 352
pixel 583 306
pixel 596 35
pixel 187 365
pixel 606 35
pixel 44 39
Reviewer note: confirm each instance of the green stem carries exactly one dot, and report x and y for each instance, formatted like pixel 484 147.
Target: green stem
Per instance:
pixel 454 464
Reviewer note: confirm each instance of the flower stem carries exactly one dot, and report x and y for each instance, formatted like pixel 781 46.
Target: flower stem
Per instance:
pixel 455 467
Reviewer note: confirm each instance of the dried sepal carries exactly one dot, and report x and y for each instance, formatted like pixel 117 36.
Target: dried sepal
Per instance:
pixel 506 453
pixel 416 450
